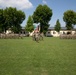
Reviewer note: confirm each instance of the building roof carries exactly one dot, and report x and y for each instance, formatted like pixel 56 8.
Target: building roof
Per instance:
pixel 62 28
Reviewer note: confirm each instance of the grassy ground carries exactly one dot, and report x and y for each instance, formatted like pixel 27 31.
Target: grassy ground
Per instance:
pixel 53 56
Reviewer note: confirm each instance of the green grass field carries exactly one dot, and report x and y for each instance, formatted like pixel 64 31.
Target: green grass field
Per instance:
pixel 53 56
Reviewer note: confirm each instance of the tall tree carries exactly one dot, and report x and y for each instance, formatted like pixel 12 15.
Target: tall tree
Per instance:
pixel 70 19
pixel 1 20
pixel 18 18
pixel 57 26
pixel 29 27
pixel 12 18
pixel 42 15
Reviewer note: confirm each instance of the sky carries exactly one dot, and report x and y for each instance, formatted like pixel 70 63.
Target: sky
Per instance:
pixel 29 6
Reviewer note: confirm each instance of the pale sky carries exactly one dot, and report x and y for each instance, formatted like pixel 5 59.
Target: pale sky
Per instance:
pixel 28 6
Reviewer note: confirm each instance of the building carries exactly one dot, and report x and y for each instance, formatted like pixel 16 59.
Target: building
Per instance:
pixel 51 32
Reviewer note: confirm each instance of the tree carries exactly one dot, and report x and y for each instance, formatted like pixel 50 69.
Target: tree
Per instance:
pixel 1 20
pixel 70 19
pixel 18 18
pixel 57 26
pixel 42 15
pixel 12 18
pixel 29 27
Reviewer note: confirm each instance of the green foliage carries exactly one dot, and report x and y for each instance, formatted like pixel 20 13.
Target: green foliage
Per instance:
pixel 1 20
pixel 16 29
pixel 57 26
pixel 42 15
pixel 29 27
pixel 69 18
pixel 12 18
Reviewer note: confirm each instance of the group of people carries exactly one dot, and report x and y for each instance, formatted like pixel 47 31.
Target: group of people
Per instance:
pixel 37 36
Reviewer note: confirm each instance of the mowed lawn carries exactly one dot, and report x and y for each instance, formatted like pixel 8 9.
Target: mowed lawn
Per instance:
pixel 53 56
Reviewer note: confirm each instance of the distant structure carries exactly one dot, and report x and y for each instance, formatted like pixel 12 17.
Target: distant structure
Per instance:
pixel 52 32
pixel 9 31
